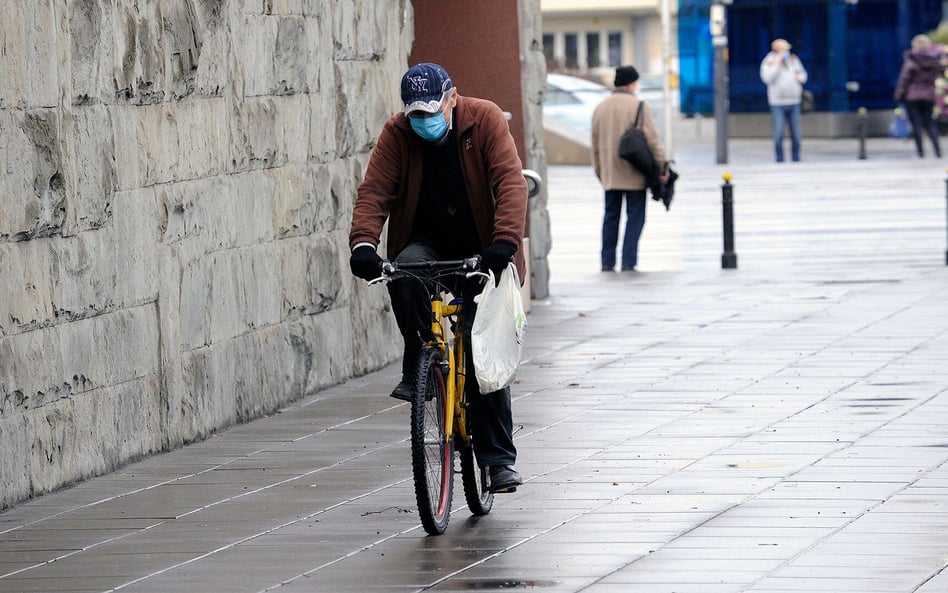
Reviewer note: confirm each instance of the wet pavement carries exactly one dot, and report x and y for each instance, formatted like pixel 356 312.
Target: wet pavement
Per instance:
pixel 779 427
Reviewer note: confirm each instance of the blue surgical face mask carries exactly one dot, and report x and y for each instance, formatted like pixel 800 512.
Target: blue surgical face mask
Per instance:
pixel 431 129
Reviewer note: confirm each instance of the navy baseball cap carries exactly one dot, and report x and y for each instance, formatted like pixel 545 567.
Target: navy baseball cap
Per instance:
pixel 424 87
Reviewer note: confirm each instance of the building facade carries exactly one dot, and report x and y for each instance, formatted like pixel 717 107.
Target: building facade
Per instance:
pixel 852 49
pixel 590 39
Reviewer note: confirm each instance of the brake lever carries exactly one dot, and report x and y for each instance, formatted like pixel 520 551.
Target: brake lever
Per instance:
pixel 387 269
pixel 477 273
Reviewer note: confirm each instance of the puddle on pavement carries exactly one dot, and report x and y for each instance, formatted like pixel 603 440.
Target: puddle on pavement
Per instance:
pixel 752 465
pixel 494 585
pixel 863 281
pixel 877 402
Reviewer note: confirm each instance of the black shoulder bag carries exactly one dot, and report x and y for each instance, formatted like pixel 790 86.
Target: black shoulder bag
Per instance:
pixel 633 148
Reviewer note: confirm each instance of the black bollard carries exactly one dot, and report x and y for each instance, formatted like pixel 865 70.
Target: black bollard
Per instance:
pixel 863 131
pixel 728 258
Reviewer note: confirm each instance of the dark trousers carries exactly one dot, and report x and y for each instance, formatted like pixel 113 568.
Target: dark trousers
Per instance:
pixel 490 415
pixel 920 114
pixel 635 222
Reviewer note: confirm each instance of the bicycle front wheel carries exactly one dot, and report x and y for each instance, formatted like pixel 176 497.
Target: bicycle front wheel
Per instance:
pixel 432 455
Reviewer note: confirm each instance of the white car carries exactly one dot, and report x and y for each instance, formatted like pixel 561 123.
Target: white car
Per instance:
pixel 571 101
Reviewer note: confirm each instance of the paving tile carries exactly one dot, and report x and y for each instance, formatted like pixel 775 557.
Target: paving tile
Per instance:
pixel 634 576
pixel 938 583
pixel 64 584
pixel 665 588
pixel 838 585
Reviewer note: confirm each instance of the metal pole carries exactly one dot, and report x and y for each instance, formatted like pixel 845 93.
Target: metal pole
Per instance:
pixel 666 73
pixel 728 258
pixel 863 130
pixel 721 101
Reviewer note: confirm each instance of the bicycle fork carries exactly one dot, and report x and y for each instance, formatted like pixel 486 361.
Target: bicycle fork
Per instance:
pixel 453 365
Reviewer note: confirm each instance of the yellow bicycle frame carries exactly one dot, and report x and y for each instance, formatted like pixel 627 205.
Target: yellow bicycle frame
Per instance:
pixel 455 416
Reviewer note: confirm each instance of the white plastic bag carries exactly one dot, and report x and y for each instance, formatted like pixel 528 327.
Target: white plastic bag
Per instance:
pixel 497 334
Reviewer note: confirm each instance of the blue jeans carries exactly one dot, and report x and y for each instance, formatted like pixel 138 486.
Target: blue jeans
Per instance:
pixel 782 115
pixel 635 222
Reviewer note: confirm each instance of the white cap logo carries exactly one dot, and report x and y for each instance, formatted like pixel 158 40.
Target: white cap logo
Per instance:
pixel 419 84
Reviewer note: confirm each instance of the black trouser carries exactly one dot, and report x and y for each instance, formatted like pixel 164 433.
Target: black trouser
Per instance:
pixel 920 114
pixel 490 415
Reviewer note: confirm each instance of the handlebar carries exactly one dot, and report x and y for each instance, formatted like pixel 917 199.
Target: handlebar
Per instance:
pixel 468 267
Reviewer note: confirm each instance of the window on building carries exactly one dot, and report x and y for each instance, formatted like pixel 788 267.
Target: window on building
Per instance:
pixel 615 49
pixel 593 59
pixel 548 50
pixel 571 53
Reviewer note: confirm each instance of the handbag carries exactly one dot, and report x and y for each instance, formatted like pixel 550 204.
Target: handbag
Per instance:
pixel 633 148
pixel 899 127
pixel 497 332
pixel 807 101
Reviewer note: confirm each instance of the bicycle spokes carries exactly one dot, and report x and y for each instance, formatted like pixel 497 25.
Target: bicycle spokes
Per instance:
pixel 432 451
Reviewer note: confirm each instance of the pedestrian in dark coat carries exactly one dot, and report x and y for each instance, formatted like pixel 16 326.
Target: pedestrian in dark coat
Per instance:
pixel 921 67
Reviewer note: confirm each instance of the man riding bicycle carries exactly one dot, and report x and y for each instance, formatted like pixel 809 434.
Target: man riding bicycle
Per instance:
pixel 446 175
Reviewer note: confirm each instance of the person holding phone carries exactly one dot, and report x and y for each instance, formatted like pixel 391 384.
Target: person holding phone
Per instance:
pixel 784 75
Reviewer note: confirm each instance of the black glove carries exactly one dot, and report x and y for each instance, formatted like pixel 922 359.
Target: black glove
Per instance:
pixel 365 262
pixel 496 257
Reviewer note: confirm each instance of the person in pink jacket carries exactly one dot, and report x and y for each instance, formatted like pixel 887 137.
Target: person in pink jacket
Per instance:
pixel 446 176
pixel 921 67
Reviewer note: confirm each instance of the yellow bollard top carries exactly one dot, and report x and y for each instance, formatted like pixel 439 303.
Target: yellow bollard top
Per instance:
pixel 863 111
pixel 726 176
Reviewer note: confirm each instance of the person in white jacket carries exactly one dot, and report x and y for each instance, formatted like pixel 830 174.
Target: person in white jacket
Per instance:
pixel 784 75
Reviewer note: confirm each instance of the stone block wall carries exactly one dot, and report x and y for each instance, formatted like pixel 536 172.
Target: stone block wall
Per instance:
pixel 533 79
pixel 176 181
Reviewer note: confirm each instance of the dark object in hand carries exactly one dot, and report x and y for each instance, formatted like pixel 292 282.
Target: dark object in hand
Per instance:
pixel 496 257
pixel 365 263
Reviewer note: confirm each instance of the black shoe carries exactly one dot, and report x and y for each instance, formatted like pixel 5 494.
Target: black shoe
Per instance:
pixel 628 268
pixel 504 478
pixel 404 389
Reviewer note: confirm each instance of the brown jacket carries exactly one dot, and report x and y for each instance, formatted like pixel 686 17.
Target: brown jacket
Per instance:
pixel 612 117
pixel 492 172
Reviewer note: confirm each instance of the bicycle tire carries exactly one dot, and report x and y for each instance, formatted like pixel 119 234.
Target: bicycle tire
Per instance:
pixel 479 499
pixel 432 455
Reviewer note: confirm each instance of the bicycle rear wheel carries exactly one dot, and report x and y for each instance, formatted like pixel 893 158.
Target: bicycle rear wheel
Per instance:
pixel 478 498
pixel 432 455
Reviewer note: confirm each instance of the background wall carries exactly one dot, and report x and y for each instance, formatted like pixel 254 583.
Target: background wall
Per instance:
pixel 493 49
pixel 176 181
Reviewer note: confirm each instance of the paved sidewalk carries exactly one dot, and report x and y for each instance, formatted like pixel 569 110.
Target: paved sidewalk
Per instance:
pixel 781 427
